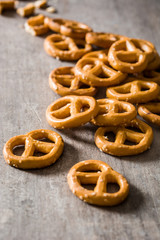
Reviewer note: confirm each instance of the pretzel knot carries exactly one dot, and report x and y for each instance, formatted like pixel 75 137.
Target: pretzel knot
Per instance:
pixel 131 55
pixel 136 91
pixel 119 146
pixel 113 112
pixel 64 82
pixel 81 173
pixel 66 48
pixel 150 112
pixel 33 143
pixel 68 28
pixel 97 72
pixel 71 111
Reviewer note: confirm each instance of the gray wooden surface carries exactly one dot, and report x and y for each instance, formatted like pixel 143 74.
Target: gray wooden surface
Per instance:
pixel 38 204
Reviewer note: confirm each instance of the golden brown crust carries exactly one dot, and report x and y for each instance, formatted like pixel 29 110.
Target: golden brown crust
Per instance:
pixel 32 144
pixel 36 26
pixel 149 112
pixel 71 111
pixel 118 147
pixel 81 173
pixel 26 11
pixel 64 82
pixel 65 48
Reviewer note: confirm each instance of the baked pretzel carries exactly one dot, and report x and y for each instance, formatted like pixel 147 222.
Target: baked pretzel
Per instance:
pixel 81 173
pixel 65 48
pixel 137 91
pixel 7 5
pixel 33 143
pixel 114 113
pixel 101 39
pixel 36 26
pixel 63 81
pixel 97 72
pixel 153 76
pixel 102 55
pixel 68 28
pixel 119 147
pixel 71 111
pixel 149 112
pixel 27 10
pixel 155 63
pixel 131 55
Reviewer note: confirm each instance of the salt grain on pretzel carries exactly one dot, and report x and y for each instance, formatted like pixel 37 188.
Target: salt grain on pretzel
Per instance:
pixel 81 173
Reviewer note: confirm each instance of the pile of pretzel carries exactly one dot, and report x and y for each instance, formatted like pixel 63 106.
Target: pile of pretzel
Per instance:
pixel 128 69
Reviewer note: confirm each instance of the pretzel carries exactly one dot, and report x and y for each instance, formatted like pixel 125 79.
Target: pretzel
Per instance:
pixel 65 48
pixel 102 55
pixel 114 113
pixel 97 72
pixel 68 28
pixel 36 26
pixel 119 147
pixel 81 173
pixel 7 5
pixel 137 91
pixel 101 39
pixel 148 112
pixel 130 55
pixel 155 63
pixel 71 111
pixel 33 143
pixel 26 11
pixel 63 81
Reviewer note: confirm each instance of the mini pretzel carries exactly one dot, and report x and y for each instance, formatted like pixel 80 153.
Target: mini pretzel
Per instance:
pixel 153 76
pixel 26 11
pixel 101 39
pixel 7 5
pixel 65 48
pixel 130 55
pixel 135 92
pixel 155 63
pixel 148 112
pixel 119 147
pixel 102 55
pixel 71 111
pixel 33 143
pixel 63 81
pixel 81 173
pixel 97 72
pixel 68 28
pixel 114 113
pixel 36 26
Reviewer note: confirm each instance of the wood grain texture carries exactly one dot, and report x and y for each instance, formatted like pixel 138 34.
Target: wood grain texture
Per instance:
pixel 38 204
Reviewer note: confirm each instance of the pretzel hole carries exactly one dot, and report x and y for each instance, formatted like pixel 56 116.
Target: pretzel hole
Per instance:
pixel 134 129
pixel 83 86
pixel 110 136
pixel 18 150
pixel 132 58
pixel 129 143
pixel 38 154
pixel 112 187
pixel 45 140
pixel 103 75
pixel 89 186
pixel 80 46
pixel 143 89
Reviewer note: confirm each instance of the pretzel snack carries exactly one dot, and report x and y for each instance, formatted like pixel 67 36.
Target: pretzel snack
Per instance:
pixel 7 5
pixel 36 26
pixel 71 111
pixel 33 143
pixel 68 28
pixel 149 112
pixel 119 147
pixel 26 11
pixel 65 48
pixel 64 82
pixel 81 173
pixel 137 91
pixel 114 113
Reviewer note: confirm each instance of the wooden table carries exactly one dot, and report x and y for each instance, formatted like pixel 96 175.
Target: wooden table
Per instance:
pixel 38 204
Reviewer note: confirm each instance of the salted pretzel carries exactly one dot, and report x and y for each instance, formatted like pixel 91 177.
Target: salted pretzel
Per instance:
pixel 102 39
pixel 120 147
pixel 97 72
pixel 71 111
pixel 155 63
pixel 150 112
pixel 137 91
pixel 81 173
pixel 66 48
pixel 7 5
pixel 131 55
pixel 64 82
pixel 33 142
pixel 114 113
pixel 36 26
pixel 68 28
